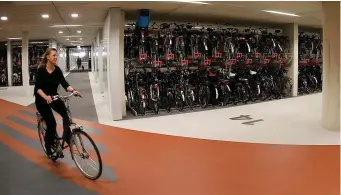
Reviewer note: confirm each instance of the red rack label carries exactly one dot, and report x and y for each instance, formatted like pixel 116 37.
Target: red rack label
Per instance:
pixel 196 55
pixel 170 56
pixel 218 55
pixel 232 61
pixel 184 62
pixel 207 62
pixel 248 61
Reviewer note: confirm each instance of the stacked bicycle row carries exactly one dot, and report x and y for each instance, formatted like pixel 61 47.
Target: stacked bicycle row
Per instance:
pixel 178 43
pixel 35 52
pixel 186 87
pixel 191 65
pixel 310 63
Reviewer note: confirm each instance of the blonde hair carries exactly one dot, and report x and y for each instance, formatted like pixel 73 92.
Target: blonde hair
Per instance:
pixel 43 61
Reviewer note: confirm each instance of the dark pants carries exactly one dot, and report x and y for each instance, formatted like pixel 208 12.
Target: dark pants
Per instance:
pixel 46 112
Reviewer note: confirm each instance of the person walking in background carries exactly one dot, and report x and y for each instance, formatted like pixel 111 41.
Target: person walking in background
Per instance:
pixel 79 63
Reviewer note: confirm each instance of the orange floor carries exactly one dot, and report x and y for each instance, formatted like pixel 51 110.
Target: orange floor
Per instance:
pixel 152 164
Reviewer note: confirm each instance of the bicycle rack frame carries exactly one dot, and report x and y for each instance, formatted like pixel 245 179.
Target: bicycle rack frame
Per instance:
pixel 142 56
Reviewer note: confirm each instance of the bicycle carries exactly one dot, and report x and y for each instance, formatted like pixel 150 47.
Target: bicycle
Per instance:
pixel 59 146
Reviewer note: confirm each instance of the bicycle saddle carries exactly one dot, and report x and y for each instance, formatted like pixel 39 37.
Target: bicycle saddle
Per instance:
pixel 253 72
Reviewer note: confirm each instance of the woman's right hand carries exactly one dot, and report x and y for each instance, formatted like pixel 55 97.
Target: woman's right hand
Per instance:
pixel 48 99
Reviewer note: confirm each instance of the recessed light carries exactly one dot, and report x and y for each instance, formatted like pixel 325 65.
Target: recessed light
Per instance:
pixel 79 31
pixel 65 25
pixel 4 18
pixel 74 15
pixel 60 32
pixel 45 16
pixel 281 13
pixel 67 39
pixel 195 2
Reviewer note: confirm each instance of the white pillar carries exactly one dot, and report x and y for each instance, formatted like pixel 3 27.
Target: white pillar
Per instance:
pixel 291 30
pixel 92 59
pixel 122 81
pixel 100 65
pixel 116 64
pixel 97 61
pixel 331 66
pixel 25 65
pixel 9 63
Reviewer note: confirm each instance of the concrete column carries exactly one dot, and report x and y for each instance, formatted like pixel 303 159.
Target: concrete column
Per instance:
pixel 100 65
pixel 291 30
pixel 25 61
pixel 92 59
pixel 116 64
pixel 9 63
pixel 122 81
pixel 97 60
pixel 331 66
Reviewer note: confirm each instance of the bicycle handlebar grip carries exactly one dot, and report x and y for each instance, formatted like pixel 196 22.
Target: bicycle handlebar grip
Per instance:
pixel 54 98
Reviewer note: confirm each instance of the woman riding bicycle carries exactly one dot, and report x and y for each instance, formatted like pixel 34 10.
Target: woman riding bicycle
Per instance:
pixel 48 78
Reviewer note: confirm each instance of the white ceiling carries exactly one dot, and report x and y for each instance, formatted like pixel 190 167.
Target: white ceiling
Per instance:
pixel 27 15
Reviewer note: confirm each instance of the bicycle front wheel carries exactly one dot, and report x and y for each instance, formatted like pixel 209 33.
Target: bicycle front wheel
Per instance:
pixel 81 155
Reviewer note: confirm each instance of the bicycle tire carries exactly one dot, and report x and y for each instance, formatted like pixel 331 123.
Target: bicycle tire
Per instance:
pixel 96 151
pixel 41 139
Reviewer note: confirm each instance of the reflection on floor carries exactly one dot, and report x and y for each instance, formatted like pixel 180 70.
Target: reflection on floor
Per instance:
pixel 145 163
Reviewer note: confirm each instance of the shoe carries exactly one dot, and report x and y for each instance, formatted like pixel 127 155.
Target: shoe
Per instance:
pixel 48 148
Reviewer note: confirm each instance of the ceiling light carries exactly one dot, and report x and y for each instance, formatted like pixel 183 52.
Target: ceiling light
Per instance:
pixel 14 38
pixel 66 25
pixel 72 36
pixel 45 16
pixel 281 13
pixel 195 2
pixel 67 39
pixel 4 18
pixel 79 31
pixel 60 32
pixel 80 38
pixel 74 15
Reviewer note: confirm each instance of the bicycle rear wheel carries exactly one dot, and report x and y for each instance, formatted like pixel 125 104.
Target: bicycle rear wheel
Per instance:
pixel 77 149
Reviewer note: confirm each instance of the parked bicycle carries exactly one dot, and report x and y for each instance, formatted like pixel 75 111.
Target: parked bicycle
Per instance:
pixel 77 146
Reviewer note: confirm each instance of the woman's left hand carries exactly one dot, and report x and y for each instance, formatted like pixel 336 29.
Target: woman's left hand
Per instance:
pixel 76 93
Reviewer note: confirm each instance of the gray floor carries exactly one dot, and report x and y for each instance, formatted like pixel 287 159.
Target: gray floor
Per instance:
pixel 19 176
pixel 81 108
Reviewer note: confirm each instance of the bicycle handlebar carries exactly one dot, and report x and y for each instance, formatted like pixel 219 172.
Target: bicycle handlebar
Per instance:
pixel 66 97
